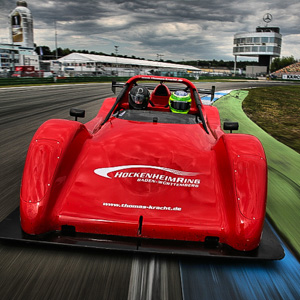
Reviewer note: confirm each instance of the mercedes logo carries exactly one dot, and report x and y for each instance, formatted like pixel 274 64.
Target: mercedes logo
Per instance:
pixel 267 18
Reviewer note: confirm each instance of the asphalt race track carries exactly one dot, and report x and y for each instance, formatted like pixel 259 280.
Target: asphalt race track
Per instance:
pixel 39 272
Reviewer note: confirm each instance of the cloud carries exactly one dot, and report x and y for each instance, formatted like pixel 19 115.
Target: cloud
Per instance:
pixel 187 29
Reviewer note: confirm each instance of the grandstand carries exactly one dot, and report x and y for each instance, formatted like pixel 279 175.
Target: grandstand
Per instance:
pixel 293 69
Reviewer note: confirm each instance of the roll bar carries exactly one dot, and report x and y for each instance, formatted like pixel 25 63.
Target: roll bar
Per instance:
pixel 133 80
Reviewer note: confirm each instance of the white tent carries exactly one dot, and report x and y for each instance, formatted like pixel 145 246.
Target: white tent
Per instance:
pixel 80 62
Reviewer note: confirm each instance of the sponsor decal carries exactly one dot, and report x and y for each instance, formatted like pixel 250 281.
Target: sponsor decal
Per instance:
pixel 163 79
pixel 145 207
pixel 177 178
pixel 17 29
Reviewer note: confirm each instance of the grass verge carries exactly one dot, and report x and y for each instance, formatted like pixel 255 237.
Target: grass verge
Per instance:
pixel 283 206
pixel 277 111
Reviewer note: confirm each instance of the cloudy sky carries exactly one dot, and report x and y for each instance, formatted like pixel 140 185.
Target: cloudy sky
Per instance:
pixel 178 30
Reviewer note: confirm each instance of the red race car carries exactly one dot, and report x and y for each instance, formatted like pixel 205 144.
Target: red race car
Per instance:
pixel 152 172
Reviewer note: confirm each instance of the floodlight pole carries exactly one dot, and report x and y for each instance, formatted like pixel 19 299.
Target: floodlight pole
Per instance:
pixel 159 56
pixel 56 54
pixel 116 51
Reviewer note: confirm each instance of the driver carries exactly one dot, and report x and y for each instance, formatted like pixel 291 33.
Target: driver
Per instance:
pixel 138 97
pixel 180 102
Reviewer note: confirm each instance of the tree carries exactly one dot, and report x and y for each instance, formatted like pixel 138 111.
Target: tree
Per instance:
pixel 44 52
pixel 279 63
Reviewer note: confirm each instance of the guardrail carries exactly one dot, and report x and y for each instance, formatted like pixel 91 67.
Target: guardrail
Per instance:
pixel 30 81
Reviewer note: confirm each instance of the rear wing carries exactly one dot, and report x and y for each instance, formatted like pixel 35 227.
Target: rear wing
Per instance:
pixel 173 88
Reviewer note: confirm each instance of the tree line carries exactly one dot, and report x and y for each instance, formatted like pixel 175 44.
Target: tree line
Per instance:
pixel 279 63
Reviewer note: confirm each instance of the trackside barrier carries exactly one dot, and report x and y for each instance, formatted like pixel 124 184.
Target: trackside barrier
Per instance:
pixel 17 81
pixel 30 81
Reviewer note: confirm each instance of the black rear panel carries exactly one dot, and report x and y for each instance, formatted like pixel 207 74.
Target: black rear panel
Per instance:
pixel 269 249
pixel 157 117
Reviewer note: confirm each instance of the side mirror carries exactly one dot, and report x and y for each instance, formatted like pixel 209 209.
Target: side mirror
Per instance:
pixel 231 126
pixel 77 113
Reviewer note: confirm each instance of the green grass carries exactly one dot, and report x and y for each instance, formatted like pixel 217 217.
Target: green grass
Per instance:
pixel 283 206
pixel 277 111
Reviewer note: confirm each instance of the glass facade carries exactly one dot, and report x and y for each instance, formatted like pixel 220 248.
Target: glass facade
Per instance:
pixel 12 56
pixel 255 49
pixel 257 43
pixel 8 58
pixel 257 40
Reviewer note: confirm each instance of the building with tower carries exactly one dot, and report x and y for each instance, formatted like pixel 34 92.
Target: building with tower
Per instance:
pixel 20 50
pixel 264 43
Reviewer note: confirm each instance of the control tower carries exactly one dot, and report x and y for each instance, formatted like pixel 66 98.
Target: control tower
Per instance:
pixel 21 26
pixel 264 43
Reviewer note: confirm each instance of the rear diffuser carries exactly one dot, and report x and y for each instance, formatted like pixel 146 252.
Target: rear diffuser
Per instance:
pixel 269 249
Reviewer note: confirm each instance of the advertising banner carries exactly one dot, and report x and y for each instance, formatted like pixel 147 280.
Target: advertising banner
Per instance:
pixel 291 77
pixel 16 27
